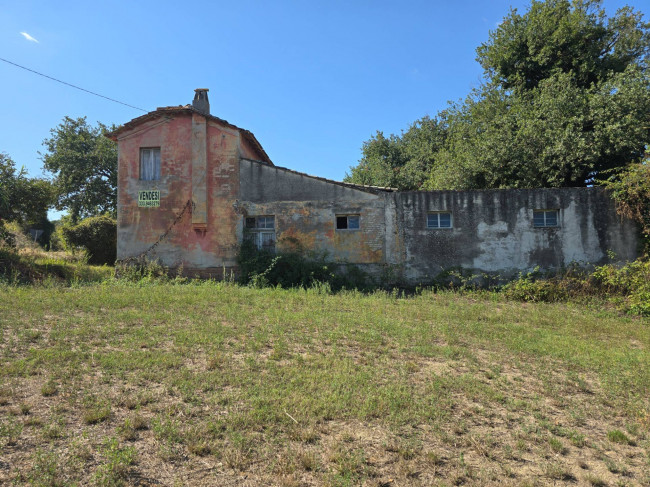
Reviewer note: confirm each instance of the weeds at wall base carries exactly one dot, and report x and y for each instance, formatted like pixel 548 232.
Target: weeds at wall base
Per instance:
pixel 626 288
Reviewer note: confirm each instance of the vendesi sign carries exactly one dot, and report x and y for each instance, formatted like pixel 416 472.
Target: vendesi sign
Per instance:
pixel 149 199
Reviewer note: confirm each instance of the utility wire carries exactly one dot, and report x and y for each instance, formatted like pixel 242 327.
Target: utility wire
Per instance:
pixel 73 86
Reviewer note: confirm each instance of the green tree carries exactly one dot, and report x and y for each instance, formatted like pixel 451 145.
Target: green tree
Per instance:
pixel 401 162
pixel 22 199
pixel 84 165
pixel 563 36
pixel 566 98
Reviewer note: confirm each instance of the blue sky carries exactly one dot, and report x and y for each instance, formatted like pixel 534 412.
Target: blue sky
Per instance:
pixel 312 80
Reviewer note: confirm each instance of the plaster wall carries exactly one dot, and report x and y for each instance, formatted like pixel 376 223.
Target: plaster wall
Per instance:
pixel 203 173
pixel 492 231
pixel 305 210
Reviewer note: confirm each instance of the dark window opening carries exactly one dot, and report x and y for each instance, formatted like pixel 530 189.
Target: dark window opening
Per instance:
pixel 348 222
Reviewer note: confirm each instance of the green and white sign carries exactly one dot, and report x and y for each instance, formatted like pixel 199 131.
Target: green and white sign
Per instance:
pixel 149 199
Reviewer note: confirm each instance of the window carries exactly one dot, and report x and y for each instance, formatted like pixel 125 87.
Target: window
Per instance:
pixel 261 231
pixel 150 164
pixel 348 222
pixel 440 219
pixel 545 218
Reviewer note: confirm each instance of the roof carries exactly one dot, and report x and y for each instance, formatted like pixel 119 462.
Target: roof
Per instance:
pixel 188 110
pixel 362 187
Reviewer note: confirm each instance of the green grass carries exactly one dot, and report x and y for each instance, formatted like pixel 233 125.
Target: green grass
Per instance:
pixel 291 386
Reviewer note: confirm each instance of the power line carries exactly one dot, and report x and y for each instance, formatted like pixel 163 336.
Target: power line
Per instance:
pixel 73 86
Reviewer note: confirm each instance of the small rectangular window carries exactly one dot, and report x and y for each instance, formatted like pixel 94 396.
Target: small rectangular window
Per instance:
pixel 261 231
pixel 348 222
pixel 150 164
pixel 440 219
pixel 545 218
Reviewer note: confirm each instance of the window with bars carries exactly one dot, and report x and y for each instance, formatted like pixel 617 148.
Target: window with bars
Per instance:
pixel 348 222
pixel 545 218
pixel 439 219
pixel 260 230
pixel 150 164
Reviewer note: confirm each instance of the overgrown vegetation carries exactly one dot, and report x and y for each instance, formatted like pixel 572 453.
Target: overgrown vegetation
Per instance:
pixel 630 189
pixel 626 287
pixel 96 235
pixel 261 268
pixel 24 262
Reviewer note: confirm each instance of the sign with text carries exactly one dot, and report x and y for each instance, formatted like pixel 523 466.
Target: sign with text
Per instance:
pixel 149 199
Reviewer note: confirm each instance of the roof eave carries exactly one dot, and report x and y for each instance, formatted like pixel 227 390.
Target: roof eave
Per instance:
pixel 187 109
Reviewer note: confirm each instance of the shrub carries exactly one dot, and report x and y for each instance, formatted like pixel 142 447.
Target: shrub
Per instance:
pixel 631 191
pixel 97 235
pixel 143 270
pixel 7 239
pixel 262 268
pixel 628 285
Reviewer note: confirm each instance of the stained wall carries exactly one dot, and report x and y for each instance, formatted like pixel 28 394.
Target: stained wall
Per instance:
pixel 211 181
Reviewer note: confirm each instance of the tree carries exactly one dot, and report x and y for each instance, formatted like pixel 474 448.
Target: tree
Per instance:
pixel 84 165
pixel 566 98
pixel 22 199
pixel 563 36
pixel 401 162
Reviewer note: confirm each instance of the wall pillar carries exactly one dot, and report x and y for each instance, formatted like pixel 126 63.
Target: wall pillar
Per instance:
pixel 199 166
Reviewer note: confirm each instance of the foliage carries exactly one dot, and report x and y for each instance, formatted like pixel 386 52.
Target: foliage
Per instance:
pixel 97 235
pixel 35 266
pixel 563 36
pixel 262 268
pixel 631 191
pixel 7 239
pixel 22 199
pixel 402 162
pixel 566 98
pixel 145 271
pixel 84 164
pixel 627 286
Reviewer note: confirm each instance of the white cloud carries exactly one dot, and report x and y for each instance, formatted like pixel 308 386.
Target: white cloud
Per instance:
pixel 28 37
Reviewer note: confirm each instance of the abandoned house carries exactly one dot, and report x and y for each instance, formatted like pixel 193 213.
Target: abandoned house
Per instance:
pixel 192 187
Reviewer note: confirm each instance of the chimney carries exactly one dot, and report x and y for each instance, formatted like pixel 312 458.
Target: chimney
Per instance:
pixel 200 101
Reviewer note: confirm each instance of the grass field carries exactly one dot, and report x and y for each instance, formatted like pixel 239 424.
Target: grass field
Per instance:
pixel 121 383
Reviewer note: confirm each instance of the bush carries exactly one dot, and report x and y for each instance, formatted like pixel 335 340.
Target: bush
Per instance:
pixel 262 268
pixel 96 235
pixel 629 286
pixel 7 239
pixel 631 192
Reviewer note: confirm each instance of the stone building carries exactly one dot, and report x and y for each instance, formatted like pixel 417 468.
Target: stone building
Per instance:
pixel 192 187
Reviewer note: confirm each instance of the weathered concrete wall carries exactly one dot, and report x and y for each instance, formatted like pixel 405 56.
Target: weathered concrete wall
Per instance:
pixel 492 231
pixel 305 210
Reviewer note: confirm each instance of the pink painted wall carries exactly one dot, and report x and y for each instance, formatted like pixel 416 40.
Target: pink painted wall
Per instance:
pixel 214 245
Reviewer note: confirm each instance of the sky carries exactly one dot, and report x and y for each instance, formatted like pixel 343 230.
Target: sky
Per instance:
pixel 311 79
